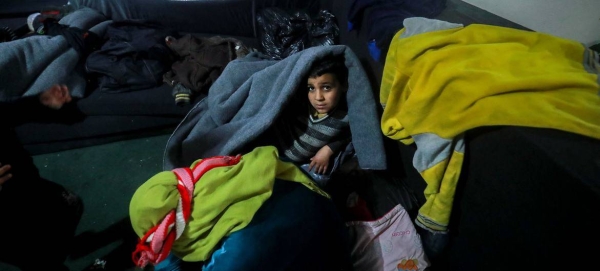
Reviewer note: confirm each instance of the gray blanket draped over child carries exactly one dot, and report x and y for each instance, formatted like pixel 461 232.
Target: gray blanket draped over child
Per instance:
pixel 251 93
pixel 31 65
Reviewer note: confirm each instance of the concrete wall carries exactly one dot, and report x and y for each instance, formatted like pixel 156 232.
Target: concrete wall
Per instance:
pixel 573 19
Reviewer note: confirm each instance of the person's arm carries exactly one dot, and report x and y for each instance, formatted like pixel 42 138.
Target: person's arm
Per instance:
pixel 339 144
pixel 4 174
pixel 320 162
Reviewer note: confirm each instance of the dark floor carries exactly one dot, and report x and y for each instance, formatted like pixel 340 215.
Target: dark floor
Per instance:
pixel 106 176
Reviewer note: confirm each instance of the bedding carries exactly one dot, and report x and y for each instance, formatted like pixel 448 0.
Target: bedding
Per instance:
pixel 312 237
pixel 250 94
pixel 222 202
pixel 109 117
pixel 41 61
pixel 440 80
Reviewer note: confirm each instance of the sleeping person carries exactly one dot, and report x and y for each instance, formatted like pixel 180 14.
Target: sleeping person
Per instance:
pixel 56 96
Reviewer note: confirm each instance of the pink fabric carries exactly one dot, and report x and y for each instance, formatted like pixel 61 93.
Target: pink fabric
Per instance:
pixel 162 236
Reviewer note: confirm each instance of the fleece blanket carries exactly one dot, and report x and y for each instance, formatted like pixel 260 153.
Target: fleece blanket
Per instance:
pixel 250 94
pixel 33 64
pixel 441 80
pixel 224 200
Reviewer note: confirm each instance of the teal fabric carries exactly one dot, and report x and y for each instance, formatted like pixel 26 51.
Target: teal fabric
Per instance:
pixel 295 229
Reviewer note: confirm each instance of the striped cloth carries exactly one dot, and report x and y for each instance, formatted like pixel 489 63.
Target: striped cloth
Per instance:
pixel 301 138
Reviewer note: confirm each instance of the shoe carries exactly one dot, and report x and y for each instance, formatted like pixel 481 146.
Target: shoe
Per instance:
pixel 35 24
pixel 7 34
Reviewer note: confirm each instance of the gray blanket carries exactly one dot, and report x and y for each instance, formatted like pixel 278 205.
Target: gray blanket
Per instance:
pixel 31 65
pixel 250 94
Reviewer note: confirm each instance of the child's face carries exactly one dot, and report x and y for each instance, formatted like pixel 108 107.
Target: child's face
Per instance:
pixel 324 92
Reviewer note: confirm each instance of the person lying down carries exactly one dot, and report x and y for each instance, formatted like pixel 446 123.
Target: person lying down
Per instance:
pixel 55 97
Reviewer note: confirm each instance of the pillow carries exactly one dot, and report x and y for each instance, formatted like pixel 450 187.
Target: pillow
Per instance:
pixel 390 243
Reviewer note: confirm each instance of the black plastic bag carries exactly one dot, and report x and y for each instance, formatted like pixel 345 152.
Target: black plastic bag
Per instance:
pixel 283 33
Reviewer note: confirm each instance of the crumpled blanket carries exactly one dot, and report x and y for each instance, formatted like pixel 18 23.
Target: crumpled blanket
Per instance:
pixel 31 65
pixel 440 80
pixel 224 200
pixel 251 93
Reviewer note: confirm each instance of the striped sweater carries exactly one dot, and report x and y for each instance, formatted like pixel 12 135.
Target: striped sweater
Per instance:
pixel 300 138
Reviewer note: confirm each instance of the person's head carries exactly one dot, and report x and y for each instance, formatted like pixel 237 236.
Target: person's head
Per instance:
pixel 327 82
pixel 55 97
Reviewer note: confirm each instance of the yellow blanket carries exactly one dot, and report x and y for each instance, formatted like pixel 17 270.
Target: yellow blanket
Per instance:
pixel 225 200
pixel 439 84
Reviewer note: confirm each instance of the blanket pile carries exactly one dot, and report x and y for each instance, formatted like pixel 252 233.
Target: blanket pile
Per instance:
pixel 224 200
pixel 441 80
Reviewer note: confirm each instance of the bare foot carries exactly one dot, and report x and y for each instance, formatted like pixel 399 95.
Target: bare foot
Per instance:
pixel 56 96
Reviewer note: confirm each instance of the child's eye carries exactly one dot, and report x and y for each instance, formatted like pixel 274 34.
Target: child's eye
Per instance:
pixel 327 87
pixel 311 88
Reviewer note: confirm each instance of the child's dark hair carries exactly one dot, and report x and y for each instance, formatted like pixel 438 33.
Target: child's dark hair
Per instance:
pixel 330 64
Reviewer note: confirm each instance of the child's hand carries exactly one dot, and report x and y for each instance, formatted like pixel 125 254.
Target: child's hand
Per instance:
pixel 320 161
pixel 4 175
pixel 56 96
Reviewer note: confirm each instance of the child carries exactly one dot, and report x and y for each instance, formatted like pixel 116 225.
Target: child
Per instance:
pixel 322 129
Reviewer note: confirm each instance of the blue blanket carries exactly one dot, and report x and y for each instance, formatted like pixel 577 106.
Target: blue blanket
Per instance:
pixel 251 93
pixel 33 64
